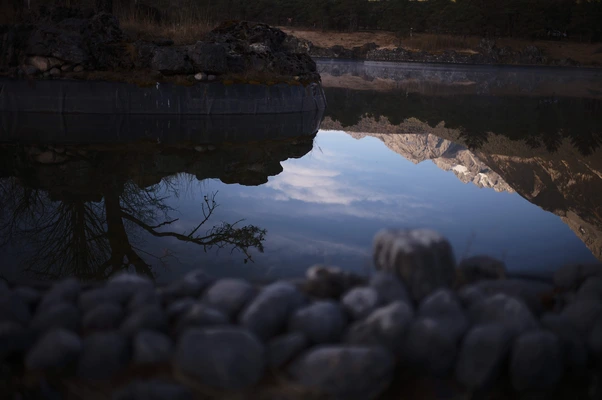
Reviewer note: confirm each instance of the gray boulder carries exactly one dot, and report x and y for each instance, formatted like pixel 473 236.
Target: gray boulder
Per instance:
pixel 269 312
pixel 470 295
pixel 59 315
pixel 429 348
pixel 422 258
pixel 329 282
pixel 226 358
pixel 104 355
pixel 153 390
pixel 130 283
pixel 389 288
pixel 574 348
pixel 536 361
pixel 200 315
pixel 443 306
pixel 359 302
pixel 282 349
pixel 482 355
pixel 55 350
pixel 210 58
pixel 229 296
pixel 344 372
pixel 150 347
pixel 595 341
pixel 171 61
pixel 321 322
pixel 478 268
pixel 104 317
pixel 505 310
pixel 144 299
pixel 530 292
pixel 29 295
pixel 191 285
pixel 151 317
pixel 14 339
pixel 386 326
pixel 582 314
pixel 117 294
pixel 179 307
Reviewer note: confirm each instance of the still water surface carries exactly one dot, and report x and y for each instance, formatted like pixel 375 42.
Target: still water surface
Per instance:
pixel 503 161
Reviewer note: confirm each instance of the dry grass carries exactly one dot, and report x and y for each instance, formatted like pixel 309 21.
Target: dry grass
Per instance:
pixel 183 32
pixel 346 39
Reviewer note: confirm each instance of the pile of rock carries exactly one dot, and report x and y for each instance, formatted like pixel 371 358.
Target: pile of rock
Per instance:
pixel 331 333
pixel 72 42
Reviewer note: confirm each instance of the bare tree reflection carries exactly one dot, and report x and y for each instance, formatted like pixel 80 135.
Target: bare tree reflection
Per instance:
pixel 95 239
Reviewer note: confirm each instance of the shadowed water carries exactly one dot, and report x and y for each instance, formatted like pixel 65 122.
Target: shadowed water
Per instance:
pixel 503 161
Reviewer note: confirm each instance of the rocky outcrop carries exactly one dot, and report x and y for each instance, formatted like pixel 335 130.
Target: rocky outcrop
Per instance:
pixel 70 42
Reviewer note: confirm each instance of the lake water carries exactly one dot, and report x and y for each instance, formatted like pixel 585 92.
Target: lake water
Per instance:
pixel 503 161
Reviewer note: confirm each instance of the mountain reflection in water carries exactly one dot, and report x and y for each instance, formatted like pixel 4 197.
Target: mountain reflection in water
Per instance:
pixel 162 196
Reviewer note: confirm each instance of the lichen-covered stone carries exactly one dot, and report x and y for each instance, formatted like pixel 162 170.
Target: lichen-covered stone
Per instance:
pixel 229 295
pixel 225 357
pixel 359 302
pixel 282 349
pixel 482 355
pixel 422 258
pixel 536 361
pixel 321 322
pixel 268 313
pixel 55 350
pixel 344 372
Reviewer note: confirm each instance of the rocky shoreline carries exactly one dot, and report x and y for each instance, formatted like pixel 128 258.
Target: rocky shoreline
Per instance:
pixel 74 44
pixel 488 54
pixel 468 328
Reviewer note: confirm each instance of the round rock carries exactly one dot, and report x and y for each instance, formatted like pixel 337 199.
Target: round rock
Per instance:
pixel 360 302
pixel 151 317
pixel 226 358
pixel 179 307
pixel 344 372
pixel 443 306
pixel 429 347
pixel 92 298
pixel 583 314
pixel 595 340
pixel 14 339
pixel 389 288
pixel 536 361
pixel 482 355
pixel 103 317
pixel 591 289
pixel 321 322
pixel 14 308
pixel 200 315
pixel 150 347
pixel 229 295
pixel 268 313
pixel 282 349
pixel 569 277
pixel 386 326
pixel 505 310
pixel 55 350
pixel 104 355
pixel 144 299
pixel 65 291
pixel 422 258
pixel 191 285
pixel 574 348
pixel 29 295
pixel 57 315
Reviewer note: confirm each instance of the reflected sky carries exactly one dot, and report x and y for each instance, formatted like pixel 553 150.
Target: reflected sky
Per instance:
pixel 326 207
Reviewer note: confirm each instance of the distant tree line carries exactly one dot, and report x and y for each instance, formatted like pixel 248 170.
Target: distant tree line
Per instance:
pixel 580 19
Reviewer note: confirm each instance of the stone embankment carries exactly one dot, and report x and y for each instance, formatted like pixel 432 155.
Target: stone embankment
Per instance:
pixel 488 53
pixel 331 334
pixel 70 43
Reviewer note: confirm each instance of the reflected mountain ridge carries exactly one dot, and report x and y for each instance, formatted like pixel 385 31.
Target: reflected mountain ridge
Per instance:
pixel 88 209
pixel 548 152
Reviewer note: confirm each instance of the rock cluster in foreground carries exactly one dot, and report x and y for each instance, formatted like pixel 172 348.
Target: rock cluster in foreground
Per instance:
pixel 69 43
pixel 331 334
